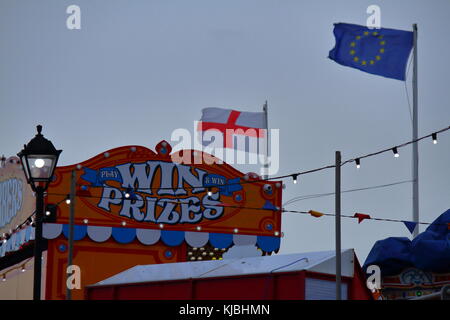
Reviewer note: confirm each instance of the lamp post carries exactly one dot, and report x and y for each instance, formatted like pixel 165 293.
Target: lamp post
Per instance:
pixel 39 158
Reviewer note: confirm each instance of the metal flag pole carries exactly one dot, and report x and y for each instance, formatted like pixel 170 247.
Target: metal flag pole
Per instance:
pixel 415 150
pixel 71 222
pixel 338 225
pixel 266 165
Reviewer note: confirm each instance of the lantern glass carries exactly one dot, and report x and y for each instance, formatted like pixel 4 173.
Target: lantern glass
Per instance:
pixel 40 167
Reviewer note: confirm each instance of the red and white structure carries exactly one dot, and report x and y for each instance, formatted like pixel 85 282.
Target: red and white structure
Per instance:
pixel 300 276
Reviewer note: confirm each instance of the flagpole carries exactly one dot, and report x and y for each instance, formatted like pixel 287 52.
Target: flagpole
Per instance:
pixel 338 225
pixel 266 165
pixel 415 151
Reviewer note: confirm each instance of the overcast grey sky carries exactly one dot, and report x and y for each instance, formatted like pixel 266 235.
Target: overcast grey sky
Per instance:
pixel 137 70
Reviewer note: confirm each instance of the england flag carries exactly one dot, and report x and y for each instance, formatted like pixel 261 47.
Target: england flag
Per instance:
pixel 232 129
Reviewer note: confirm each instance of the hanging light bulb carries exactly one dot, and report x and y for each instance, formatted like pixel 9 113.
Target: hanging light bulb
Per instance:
pixel 294 178
pixel 358 163
pixel 209 192
pixel 68 199
pixel 434 137
pixel 23 269
pixel 394 150
pixel 127 195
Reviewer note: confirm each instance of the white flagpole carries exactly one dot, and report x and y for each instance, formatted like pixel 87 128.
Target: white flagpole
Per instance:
pixel 415 151
pixel 338 226
pixel 266 165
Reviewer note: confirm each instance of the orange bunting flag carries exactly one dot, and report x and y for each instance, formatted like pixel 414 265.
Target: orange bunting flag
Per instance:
pixel 316 214
pixel 361 216
pixel 448 226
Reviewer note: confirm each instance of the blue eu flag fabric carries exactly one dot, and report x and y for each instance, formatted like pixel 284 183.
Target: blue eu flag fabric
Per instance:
pixel 381 51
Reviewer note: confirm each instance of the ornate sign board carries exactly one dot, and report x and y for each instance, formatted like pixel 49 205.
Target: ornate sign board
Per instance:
pixel 413 282
pixel 17 201
pixel 189 190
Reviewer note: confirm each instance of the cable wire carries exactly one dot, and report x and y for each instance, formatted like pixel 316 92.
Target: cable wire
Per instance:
pixel 320 195
pixel 282 210
pixel 287 175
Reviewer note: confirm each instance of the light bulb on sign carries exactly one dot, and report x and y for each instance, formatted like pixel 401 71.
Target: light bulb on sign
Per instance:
pixel 39 163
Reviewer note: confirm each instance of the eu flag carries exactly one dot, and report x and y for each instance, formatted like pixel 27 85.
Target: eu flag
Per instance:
pixel 382 51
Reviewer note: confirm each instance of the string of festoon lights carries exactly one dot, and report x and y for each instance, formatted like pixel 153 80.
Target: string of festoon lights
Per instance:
pixel 313 213
pixel 394 149
pixel 28 222
pixel 295 175
pixel 128 192
pixel 22 268
pixel 6 236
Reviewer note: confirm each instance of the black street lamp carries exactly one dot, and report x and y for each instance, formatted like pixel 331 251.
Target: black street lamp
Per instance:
pixel 39 158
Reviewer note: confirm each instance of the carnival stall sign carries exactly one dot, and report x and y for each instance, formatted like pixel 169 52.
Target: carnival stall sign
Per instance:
pixel 135 206
pixel 17 206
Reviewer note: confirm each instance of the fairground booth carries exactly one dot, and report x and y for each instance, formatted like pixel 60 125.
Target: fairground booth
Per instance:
pixel 167 220
pixel 414 269
pixel 133 206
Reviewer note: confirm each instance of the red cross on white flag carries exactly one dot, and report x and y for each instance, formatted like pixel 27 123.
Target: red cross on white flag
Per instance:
pixel 233 123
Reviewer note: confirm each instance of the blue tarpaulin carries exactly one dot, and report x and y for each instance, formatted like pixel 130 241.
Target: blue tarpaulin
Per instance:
pixel 429 251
